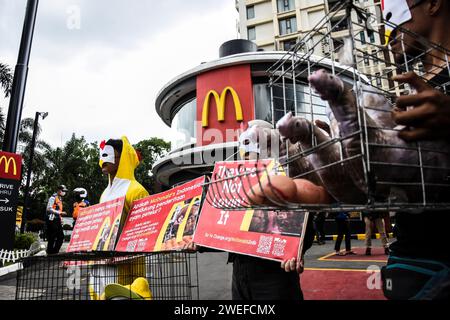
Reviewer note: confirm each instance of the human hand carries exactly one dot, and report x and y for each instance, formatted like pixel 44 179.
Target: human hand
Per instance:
pixel 293 265
pixel 191 246
pixel 430 118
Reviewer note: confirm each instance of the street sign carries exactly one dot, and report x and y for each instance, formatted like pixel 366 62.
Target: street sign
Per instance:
pixel 10 176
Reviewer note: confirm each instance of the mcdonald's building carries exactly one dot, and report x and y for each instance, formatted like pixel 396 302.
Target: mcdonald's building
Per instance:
pixel 205 107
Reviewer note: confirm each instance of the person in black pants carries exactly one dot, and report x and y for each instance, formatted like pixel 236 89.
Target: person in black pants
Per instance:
pixel 258 279
pixel 319 222
pixel 343 227
pixel 55 233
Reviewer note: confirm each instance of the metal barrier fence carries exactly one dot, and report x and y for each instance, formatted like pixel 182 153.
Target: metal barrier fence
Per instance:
pixel 109 275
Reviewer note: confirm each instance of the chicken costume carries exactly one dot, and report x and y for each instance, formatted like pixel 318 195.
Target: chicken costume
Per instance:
pixel 123 184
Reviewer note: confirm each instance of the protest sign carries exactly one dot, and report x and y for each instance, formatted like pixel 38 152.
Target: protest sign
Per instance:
pixel 97 226
pixel 274 235
pixel 164 221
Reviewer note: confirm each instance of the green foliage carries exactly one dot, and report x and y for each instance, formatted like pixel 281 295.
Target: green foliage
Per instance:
pixel 24 241
pixel 6 79
pixel 35 225
pixel 151 150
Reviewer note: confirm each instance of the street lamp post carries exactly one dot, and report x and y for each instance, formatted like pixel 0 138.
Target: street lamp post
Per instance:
pixel 29 171
pixel 20 79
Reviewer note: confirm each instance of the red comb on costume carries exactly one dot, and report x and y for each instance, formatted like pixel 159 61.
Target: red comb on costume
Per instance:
pixel 244 126
pixel 102 144
pixel 139 155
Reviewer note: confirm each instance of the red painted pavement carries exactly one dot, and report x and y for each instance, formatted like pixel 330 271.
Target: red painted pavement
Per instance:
pixel 328 284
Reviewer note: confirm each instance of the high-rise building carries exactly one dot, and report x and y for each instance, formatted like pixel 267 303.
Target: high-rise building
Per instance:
pixel 280 24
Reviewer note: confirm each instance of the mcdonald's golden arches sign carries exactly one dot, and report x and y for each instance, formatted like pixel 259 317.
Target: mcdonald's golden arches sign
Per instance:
pixel 224 101
pixel 10 166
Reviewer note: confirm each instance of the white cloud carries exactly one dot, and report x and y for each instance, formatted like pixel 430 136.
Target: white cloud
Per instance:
pixel 104 89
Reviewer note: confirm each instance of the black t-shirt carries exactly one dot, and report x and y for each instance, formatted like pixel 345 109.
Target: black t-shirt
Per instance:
pixel 425 235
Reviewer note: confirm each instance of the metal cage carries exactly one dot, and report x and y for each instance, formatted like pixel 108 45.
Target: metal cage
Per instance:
pixel 72 276
pixel 377 170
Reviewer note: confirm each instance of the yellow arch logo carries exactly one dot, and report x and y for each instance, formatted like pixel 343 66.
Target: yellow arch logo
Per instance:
pixel 7 164
pixel 220 104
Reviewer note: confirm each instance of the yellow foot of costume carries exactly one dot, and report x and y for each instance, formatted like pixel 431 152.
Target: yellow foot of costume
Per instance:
pixel 138 290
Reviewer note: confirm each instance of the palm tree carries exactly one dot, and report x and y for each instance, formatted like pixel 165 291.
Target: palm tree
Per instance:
pixel 6 79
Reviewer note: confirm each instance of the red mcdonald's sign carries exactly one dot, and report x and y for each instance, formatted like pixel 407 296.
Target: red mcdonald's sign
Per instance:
pixel 224 101
pixel 10 166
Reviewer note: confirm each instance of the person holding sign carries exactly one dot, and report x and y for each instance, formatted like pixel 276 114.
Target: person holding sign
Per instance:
pixel 118 160
pixel 259 279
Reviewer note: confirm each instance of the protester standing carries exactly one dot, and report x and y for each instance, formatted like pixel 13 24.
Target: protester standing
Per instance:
pixel 343 230
pixel 319 223
pixel 377 219
pixel 55 233
pixel 81 201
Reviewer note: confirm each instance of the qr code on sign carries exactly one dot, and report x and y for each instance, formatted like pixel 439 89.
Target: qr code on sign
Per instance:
pixel 131 246
pixel 265 242
pixel 278 247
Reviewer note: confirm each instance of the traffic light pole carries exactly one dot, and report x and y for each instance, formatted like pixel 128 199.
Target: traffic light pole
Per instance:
pixel 20 79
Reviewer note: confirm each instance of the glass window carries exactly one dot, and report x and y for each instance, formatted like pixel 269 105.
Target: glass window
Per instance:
pixel 371 35
pixel 339 24
pixel 303 100
pixel 251 33
pixel 285 5
pixel 363 37
pixel 288 26
pixel 378 76
pixel 263 105
pixel 366 59
pixel 183 125
pixel 289 44
pixel 250 12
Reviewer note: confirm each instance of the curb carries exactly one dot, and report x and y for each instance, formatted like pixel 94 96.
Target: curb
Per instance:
pixel 10 269
pixel 359 236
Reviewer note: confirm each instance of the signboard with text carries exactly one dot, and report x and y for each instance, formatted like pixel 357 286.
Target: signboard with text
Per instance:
pixel 97 227
pixel 10 177
pixel 274 235
pixel 164 221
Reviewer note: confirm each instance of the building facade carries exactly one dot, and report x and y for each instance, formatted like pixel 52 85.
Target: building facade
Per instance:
pixel 279 24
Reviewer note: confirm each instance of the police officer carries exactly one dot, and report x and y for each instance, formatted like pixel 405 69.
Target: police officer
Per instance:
pixel 55 233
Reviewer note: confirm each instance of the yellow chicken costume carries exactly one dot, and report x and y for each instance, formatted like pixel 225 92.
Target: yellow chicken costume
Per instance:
pixel 123 184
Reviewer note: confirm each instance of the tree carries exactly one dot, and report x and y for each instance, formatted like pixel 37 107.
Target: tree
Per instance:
pixel 151 150
pixel 6 79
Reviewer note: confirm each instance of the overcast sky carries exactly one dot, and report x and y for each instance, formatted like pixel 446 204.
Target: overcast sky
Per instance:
pixel 98 75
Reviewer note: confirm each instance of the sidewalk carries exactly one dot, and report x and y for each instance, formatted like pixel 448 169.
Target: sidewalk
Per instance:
pixel 326 277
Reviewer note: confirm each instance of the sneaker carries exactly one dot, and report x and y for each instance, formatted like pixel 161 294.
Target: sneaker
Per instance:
pixel 368 251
